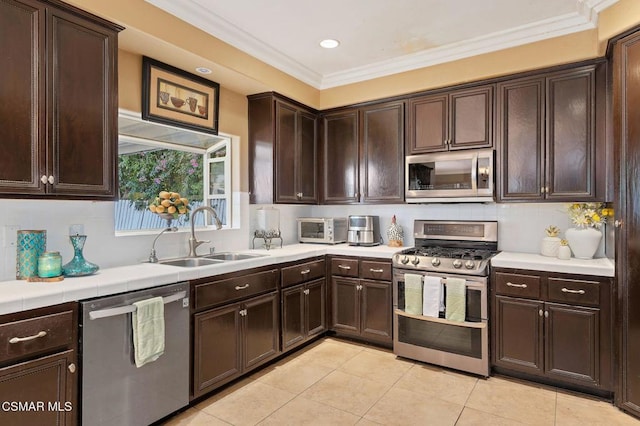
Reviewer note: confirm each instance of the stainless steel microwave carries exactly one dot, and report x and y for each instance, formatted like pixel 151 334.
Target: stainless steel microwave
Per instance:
pixel 460 176
pixel 323 230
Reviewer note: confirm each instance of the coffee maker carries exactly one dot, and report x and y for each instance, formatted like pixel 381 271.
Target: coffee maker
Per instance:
pixel 364 231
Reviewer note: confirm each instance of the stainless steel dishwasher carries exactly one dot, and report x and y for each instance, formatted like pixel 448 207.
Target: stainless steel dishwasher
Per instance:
pixel 114 390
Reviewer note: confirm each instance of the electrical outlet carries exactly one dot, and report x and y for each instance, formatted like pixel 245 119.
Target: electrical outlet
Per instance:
pixel 10 236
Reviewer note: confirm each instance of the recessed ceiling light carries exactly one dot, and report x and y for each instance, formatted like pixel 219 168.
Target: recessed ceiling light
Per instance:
pixel 203 70
pixel 329 43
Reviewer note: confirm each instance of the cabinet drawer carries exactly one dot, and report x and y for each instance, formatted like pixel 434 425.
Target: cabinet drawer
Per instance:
pixel 373 270
pixel 574 291
pixel 223 291
pixel 344 267
pixel 297 274
pixel 35 335
pixel 518 285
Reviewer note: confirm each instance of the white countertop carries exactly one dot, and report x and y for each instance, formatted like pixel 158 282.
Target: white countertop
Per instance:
pixel 20 295
pixel 603 267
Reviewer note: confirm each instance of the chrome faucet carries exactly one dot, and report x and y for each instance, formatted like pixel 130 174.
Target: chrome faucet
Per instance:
pixel 193 241
pixel 152 256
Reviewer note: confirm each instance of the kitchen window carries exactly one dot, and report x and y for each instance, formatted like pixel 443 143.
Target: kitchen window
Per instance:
pixel 168 159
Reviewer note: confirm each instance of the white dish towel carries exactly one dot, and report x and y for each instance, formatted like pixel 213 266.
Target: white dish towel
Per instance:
pixel 147 322
pixel 431 296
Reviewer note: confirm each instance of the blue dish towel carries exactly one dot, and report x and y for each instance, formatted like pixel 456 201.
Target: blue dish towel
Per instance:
pixel 413 294
pixel 147 322
pixel 456 300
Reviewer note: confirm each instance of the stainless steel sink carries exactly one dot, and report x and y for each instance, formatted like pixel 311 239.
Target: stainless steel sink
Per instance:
pixel 190 262
pixel 232 256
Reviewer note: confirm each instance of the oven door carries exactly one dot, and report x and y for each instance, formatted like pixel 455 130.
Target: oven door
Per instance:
pixel 460 345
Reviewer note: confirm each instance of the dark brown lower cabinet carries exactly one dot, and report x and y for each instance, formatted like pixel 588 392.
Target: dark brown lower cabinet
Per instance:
pixel 232 340
pixel 303 313
pixel 556 327
pixel 362 308
pixel 38 366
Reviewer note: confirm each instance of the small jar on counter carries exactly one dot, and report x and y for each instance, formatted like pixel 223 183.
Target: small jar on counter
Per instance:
pixel 50 264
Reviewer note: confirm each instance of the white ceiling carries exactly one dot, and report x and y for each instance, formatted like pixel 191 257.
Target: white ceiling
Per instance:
pixel 379 37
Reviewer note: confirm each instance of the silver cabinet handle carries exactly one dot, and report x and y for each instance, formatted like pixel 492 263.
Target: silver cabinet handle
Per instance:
pixel 26 339
pixel 43 179
pixel 376 270
pixel 546 314
pixel 306 292
pixel 72 368
pixel 566 290
pixel 305 272
pixel 344 267
pixel 510 284
pixel 540 313
pixel 242 287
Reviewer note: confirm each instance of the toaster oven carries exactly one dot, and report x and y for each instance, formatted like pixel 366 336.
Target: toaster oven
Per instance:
pixel 323 230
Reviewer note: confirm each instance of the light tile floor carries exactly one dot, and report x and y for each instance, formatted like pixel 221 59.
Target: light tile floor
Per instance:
pixel 336 382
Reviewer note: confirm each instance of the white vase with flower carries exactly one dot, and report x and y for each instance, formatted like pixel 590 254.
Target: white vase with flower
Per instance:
pixel 588 218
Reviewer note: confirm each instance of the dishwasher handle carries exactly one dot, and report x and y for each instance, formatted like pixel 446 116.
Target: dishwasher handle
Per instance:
pixel 120 310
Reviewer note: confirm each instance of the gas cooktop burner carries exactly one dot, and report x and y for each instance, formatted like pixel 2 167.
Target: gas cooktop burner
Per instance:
pixel 461 247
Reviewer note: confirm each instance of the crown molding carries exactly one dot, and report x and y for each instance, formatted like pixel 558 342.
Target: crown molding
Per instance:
pixel 585 18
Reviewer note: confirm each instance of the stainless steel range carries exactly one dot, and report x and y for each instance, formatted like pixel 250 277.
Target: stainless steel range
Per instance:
pixel 446 253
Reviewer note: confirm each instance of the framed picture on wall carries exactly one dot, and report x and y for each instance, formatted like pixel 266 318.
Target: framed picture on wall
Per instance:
pixel 178 98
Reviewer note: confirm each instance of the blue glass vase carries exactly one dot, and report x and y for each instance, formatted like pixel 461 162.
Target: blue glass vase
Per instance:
pixel 78 265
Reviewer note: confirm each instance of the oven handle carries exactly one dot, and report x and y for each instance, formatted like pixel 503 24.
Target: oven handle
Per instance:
pixel 465 324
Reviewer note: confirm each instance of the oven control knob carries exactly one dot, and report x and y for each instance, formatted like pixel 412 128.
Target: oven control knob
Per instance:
pixel 415 261
pixel 457 263
pixel 469 264
pixel 435 261
pixel 405 260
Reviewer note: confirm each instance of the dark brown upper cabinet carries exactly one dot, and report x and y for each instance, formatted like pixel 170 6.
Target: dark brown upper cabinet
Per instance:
pixel 551 136
pixel 59 86
pixel 458 119
pixel 363 158
pixel 282 150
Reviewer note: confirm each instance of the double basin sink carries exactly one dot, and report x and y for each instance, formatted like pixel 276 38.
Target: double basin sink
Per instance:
pixel 211 259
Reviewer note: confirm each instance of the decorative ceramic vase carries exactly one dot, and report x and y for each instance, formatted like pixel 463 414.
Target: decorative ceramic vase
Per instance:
pixel 583 241
pixel 550 246
pixel 31 244
pixel 78 265
pixel 395 234
pixel 564 253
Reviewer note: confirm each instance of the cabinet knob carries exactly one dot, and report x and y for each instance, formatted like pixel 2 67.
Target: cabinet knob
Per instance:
pixel 51 180
pixel 306 292
pixel 540 313
pixel 359 287
pixel 546 314
pixel 44 179
pixel 72 368
pixel 243 312
pixel 617 223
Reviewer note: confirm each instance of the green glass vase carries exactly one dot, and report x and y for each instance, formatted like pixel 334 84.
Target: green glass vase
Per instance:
pixel 78 265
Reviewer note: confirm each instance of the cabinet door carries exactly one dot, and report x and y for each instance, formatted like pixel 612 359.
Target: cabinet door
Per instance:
pixel 471 118
pixel 315 307
pixel 521 139
pixel 382 153
pixel 307 158
pixel 48 384
pixel 376 310
pixel 261 330
pixel 345 305
pixel 293 313
pixel 22 85
pixel 340 158
pixel 571 136
pixel 428 124
pixel 518 334
pixel 285 135
pixel 82 106
pixel 216 348
pixel 572 343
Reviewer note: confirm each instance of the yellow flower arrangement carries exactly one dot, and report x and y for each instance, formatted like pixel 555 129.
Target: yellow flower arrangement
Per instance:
pixel 589 215
pixel 169 203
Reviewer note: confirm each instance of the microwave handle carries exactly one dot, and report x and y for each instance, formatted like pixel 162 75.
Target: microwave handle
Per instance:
pixel 474 173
